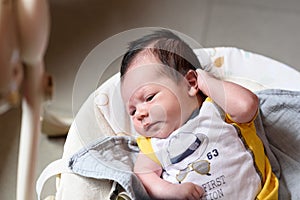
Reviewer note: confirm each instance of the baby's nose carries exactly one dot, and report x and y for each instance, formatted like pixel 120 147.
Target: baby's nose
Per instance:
pixel 141 112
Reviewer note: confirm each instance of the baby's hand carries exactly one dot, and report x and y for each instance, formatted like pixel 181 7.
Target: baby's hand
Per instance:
pixel 202 77
pixel 188 191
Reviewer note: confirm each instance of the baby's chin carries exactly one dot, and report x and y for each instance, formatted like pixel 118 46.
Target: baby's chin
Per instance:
pixel 160 134
pixel 159 129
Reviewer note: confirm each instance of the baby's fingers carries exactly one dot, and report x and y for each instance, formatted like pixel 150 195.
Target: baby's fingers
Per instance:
pixel 197 192
pixel 200 190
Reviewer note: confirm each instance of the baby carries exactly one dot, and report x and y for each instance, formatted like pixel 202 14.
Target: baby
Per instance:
pixel 198 139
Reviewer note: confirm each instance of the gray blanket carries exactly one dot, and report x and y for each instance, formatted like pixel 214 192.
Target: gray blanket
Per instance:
pixel 277 125
pixel 280 118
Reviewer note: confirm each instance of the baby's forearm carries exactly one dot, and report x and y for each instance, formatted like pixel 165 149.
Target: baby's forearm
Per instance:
pixel 236 100
pixel 149 173
pixel 159 188
pixel 156 187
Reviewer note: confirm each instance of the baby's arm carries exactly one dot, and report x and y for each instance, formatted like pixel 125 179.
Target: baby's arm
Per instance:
pixel 149 173
pixel 240 103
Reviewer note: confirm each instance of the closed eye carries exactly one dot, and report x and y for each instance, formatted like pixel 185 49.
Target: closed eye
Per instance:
pixel 132 112
pixel 150 97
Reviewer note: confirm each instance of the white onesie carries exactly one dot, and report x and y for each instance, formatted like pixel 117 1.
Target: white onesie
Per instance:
pixel 226 159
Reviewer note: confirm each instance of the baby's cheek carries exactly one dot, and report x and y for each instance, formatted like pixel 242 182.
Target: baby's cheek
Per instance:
pixel 157 113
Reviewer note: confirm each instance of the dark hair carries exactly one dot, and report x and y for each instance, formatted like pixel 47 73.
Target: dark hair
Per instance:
pixel 170 49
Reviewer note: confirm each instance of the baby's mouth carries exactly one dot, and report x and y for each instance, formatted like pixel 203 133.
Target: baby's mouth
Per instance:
pixel 152 128
pixel 147 123
pixel 147 126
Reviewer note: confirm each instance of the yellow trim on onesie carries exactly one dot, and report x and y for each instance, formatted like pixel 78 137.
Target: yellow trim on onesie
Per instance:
pixel 146 147
pixel 270 184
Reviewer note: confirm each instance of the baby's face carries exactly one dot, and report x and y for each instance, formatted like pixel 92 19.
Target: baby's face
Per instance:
pixel 153 100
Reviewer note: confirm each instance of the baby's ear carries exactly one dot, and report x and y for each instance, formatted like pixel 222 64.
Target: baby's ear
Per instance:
pixel 191 77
